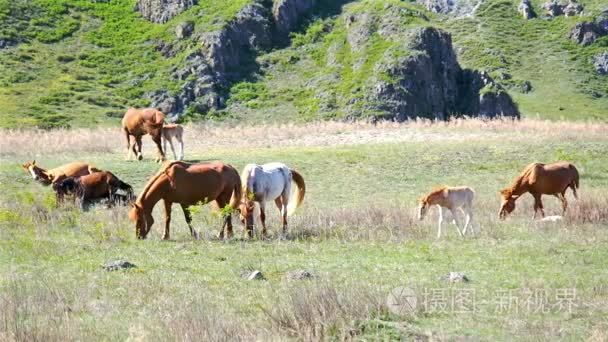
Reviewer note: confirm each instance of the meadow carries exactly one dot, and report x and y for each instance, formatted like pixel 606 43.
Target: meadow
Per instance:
pixel 357 233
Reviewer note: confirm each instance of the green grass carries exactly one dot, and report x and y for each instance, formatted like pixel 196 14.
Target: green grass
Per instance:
pixel 52 256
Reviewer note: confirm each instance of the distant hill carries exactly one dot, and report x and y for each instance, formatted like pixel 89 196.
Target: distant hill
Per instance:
pixel 83 62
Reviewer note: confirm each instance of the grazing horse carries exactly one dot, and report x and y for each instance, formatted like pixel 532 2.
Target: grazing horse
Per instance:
pixel 540 179
pixel 47 177
pixel 96 186
pixel 187 184
pixel 139 122
pixel 176 131
pixel 262 183
pixel 452 198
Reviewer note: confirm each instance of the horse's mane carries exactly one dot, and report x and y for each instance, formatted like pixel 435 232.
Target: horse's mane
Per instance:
pixel 521 177
pixel 245 175
pixel 162 171
pixel 436 191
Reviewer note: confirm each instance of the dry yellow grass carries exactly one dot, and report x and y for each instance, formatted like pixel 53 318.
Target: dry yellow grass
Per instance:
pixel 200 137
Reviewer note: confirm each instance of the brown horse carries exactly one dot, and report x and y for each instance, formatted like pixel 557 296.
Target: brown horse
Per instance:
pixel 74 169
pixel 93 187
pixel 187 184
pixel 540 179
pixel 139 122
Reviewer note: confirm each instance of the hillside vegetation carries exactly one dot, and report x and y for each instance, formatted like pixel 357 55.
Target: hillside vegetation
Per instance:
pixel 81 63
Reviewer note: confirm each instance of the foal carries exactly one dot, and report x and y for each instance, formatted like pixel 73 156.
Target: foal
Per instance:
pixel 176 131
pixel 452 198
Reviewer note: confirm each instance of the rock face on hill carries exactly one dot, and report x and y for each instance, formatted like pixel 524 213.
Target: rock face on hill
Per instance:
pixel 600 62
pixel 160 11
pixel 287 14
pixel 452 7
pixel 586 33
pixel 431 83
pixel 428 82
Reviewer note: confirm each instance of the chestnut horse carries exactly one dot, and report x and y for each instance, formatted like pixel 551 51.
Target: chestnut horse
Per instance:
pixel 540 179
pixel 96 186
pixel 170 132
pixel 47 177
pixel 272 181
pixel 452 198
pixel 187 184
pixel 139 122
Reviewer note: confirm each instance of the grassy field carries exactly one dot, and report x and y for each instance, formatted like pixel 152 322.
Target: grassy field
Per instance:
pixel 357 233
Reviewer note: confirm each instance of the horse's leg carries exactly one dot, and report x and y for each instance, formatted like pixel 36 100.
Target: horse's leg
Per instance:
pixel 469 216
pixel 180 139
pixel 167 219
pixel 263 218
pixel 137 145
pixel 172 149
pixel 562 197
pixel 188 217
pixel 284 204
pixel 223 200
pixel 456 221
pixel 164 139
pixel 440 221
pixel 160 148
pixel 538 205
pixel 128 137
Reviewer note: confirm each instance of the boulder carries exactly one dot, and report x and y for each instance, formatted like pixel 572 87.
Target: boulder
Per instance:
pixel 287 15
pixel 184 30
pixel 553 8
pixel 572 9
pixel 117 265
pixel 602 21
pixel 600 62
pixel 452 7
pixel 526 10
pixel 586 33
pixel 160 11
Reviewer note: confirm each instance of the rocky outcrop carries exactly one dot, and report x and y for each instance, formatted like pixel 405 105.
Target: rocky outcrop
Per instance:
pixel 430 83
pixel 287 15
pixel 184 30
pixel 586 33
pixel 452 7
pixel 160 11
pixel 526 10
pixel 600 62
pixel 556 8
pixel 222 56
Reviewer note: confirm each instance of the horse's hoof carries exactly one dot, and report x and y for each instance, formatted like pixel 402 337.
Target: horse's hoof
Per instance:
pixel 140 157
pixel 195 235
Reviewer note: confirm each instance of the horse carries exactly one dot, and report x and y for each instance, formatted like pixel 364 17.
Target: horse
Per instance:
pixel 541 179
pixel 139 122
pixel 262 183
pixel 94 187
pixel 452 198
pixel 176 131
pixel 48 177
pixel 187 184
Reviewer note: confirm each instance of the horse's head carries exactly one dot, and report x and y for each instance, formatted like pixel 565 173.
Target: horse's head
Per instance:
pixel 423 207
pixel 246 208
pixel 508 203
pixel 143 220
pixel 38 174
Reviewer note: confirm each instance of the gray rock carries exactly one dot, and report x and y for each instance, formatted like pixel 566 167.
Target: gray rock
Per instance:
pixel 602 21
pixel 161 11
pixel 359 29
pixel 299 275
pixel 586 33
pixel 117 265
pixel 526 87
pixel 600 62
pixel 526 9
pixel 253 275
pixel 287 15
pixel 452 7
pixel 455 277
pixel 553 8
pixel 572 9
pixel 184 30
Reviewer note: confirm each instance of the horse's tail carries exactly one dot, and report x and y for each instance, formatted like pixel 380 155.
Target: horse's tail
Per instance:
pixel 237 194
pixel 298 196
pixel 127 188
pixel 574 184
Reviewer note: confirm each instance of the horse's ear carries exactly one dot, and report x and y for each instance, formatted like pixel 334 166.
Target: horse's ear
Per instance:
pixel 34 162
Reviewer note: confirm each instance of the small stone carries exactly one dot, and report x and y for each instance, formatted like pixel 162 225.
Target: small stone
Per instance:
pixel 253 275
pixel 299 275
pixel 117 265
pixel 455 277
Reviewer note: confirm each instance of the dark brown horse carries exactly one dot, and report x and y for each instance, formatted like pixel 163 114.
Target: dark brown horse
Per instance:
pixel 47 177
pixel 139 122
pixel 540 179
pixel 188 185
pixel 96 186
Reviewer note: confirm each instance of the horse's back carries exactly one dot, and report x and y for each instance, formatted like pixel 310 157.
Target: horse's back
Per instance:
pixel 553 178
pixel 73 169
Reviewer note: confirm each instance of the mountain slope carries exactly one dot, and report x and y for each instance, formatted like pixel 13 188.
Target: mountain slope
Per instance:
pixel 81 63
